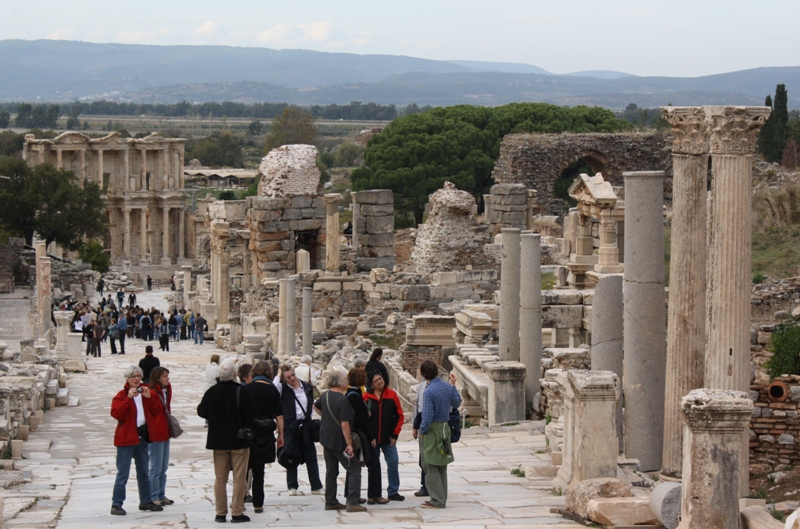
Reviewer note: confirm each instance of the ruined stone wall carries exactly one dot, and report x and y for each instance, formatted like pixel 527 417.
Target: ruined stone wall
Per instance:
pixel 290 170
pixel 775 426
pixel 537 160
pixel 451 238
pixel 373 229
pixel 507 207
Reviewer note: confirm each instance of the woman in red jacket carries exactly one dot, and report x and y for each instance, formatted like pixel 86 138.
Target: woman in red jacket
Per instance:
pixel 133 408
pixel 158 448
pixel 385 420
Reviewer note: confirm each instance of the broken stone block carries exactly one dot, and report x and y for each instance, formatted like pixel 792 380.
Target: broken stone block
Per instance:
pixel 74 365
pixel 62 397
pixel 758 517
pixel 620 511
pixel 665 503
pixel 579 494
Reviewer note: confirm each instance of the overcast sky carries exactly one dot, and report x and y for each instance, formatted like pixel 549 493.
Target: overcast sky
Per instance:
pixel 683 38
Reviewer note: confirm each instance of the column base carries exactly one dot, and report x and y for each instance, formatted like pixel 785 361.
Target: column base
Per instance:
pixel 166 261
pixel 609 269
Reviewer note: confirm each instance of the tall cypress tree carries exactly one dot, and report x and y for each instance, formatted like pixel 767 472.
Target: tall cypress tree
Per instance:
pixel 772 138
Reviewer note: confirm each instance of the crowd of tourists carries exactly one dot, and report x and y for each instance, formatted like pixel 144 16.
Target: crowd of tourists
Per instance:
pixel 267 412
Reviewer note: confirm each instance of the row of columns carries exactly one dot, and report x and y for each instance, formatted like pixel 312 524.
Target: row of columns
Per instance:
pixel 166 239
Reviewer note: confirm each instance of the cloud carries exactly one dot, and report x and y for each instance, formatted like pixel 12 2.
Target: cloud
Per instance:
pixel 316 31
pixel 62 34
pixel 362 38
pixel 208 28
pixel 141 37
pixel 276 33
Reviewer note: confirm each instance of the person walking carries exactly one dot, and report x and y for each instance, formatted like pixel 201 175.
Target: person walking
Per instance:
pixel 149 283
pixel 133 408
pixel 100 286
pixel 439 399
pixel 158 449
pixel 149 362
pixel 385 421
pixel 163 338
pixel 199 328
pixel 228 409
pixel 98 332
pixel 189 319
pixel 122 327
pixel 337 443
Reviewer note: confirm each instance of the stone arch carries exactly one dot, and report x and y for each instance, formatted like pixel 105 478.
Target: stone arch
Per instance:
pixel 596 160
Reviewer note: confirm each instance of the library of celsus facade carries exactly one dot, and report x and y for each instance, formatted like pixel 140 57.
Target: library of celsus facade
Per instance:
pixel 142 182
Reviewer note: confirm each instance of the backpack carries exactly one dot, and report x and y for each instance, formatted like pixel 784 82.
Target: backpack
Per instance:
pixel 191 320
pixel 454 422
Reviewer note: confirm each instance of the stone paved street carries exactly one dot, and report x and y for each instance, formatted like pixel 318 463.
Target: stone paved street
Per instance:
pixel 70 463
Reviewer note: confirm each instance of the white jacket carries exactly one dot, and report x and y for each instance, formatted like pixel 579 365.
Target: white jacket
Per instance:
pixel 212 372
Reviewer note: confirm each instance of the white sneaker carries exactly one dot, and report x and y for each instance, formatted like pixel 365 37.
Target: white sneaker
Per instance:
pixel 295 492
pixel 318 492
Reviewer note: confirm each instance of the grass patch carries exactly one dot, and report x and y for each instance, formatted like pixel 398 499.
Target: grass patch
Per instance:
pixel 548 281
pixel 388 341
pixel 776 252
pixel 778 515
pixel 518 472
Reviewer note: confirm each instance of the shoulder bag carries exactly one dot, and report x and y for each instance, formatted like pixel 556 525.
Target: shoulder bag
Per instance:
pixel 314 424
pixel 244 433
pixel 355 439
pixel 174 426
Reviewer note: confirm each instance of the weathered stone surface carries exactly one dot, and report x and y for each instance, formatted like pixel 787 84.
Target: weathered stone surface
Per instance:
pixel 620 511
pixel 758 517
pixel 579 494
pixel 562 316
pixel 665 503
pixel 375 196
pixel 288 171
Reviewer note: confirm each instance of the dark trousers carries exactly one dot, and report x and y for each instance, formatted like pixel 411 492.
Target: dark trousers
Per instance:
pixel 121 343
pixel 96 342
pixel 310 457
pixel 257 471
pixel 113 342
pixel 164 341
pixel 353 468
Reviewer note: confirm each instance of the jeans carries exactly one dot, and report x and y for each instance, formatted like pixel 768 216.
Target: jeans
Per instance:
pixel 124 455
pixel 374 476
pixel 226 461
pixel 173 332
pixel 310 456
pixel 190 331
pixel 159 461
pixel 198 335
pixel 353 467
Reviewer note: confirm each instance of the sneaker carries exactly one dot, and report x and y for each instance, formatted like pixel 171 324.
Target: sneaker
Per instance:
pixel 240 519
pixel 318 492
pixel 396 497
pixel 117 511
pixel 378 501
pixel 354 507
pixel 150 507
pixel 295 492
pixel 220 518
pixel 165 501
pixel 334 506
pixel 247 497
pixel 421 493
pixel 258 509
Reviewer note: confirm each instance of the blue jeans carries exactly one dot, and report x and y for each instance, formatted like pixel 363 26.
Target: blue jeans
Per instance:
pixel 189 331
pixel 198 335
pixel 159 461
pixel 374 475
pixel 124 455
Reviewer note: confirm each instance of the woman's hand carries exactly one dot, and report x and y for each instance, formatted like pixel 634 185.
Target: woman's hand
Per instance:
pixel 132 393
pixel 373 443
pixel 145 392
pixel 392 441
pixel 414 433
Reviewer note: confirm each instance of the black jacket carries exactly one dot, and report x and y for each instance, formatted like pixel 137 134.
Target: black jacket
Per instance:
pixel 294 438
pixel 224 420
pixel 374 366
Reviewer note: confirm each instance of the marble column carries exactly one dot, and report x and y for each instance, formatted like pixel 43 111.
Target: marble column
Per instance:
pixel 82 174
pixel 687 293
pixel 608 254
pixel 291 315
pixel 187 284
pixel 530 312
pixel 510 295
pixel 165 256
pixel 716 420
pixel 282 317
pixel 607 334
pixel 59 158
pixel 126 241
pixel 142 235
pixel 131 186
pixel 224 286
pixel 645 318
pixel 164 157
pixel 63 320
pixel 354 206
pixel 308 346
pixel 143 174
pixel 332 234
pixel 733 132
pixel 181 232
pixel 181 176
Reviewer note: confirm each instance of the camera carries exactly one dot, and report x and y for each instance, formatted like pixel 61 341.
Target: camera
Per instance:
pixel 139 389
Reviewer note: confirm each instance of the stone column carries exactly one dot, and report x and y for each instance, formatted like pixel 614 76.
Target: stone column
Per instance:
pixel 220 268
pixel 608 254
pixel 181 233
pixel 163 155
pixel 510 295
pixel 291 315
pixel 644 318
pixel 224 286
pixel 143 173
pixel 82 174
pixel 187 284
pixel 282 317
pixel 59 158
pixel 716 420
pixel 733 133
pixel 354 206
pixel 126 241
pixel 165 257
pixel 142 234
pixel 687 293
pixel 590 439
pixel 332 234
pixel 530 312
pixel 181 176
pixel 607 335
pixel 126 161
pixel 63 320
pixel 308 347
pixel 100 168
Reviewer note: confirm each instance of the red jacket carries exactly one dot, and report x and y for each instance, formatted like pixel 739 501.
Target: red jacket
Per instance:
pixel 123 409
pixel 158 427
pixel 385 415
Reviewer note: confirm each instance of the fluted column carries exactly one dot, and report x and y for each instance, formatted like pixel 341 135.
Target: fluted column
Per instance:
pixel 687 317
pixel 100 168
pixel 332 235
pixel 163 155
pixel 308 346
pixel 126 240
pixel 645 318
pixel 530 312
pixel 291 315
pixel 143 173
pixel 142 234
pixel 126 160
pixel 733 137
pixel 510 295
pixel 224 286
pixel 181 233
pixel 165 257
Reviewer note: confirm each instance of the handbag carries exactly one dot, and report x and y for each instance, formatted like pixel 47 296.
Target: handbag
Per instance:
pixel 313 424
pixel 355 439
pixel 174 426
pixel 286 460
pixel 244 433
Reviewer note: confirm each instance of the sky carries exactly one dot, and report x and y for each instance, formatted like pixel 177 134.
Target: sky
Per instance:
pixel 676 38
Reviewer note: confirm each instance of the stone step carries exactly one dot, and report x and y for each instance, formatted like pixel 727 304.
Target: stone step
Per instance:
pixel 74 401
pixel 62 397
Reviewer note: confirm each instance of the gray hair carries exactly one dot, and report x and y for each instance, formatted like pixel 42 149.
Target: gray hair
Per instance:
pixel 131 370
pixel 227 369
pixel 305 359
pixel 360 362
pixel 337 378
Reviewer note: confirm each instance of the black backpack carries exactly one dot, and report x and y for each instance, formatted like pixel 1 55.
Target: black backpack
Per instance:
pixel 454 422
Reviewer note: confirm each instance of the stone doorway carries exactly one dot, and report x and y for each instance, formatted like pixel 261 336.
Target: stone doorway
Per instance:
pixel 307 240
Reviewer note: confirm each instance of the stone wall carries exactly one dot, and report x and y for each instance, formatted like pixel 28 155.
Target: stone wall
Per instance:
pixel 537 160
pixel 451 238
pixel 373 229
pixel 507 207
pixel 775 426
pixel 290 170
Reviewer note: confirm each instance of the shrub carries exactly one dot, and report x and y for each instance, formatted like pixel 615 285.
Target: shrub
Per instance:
pixel 785 350
pixel 94 254
pixel 759 278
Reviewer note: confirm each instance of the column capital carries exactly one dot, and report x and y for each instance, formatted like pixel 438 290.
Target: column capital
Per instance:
pixel 689 129
pixel 734 130
pixel 332 197
pixel 717 409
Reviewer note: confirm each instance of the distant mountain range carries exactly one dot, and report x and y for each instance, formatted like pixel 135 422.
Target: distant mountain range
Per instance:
pixel 47 70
